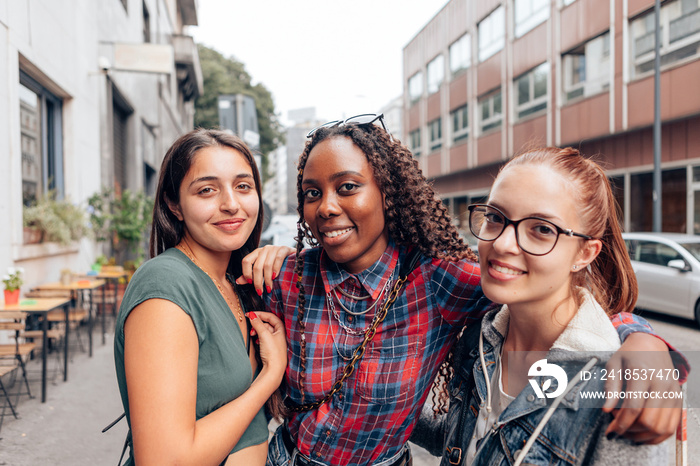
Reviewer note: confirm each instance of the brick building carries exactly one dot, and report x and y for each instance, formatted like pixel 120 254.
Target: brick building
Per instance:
pixel 486 79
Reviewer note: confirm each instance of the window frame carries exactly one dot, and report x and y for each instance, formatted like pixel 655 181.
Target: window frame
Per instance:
pixel 535 105
pixel 415 138
pixel 417 77
pixel 588 86
pixel 51 135
pixel 435 71
pixel 495 120
pixel 524 25
pixel 460 48
pixel 435 140
pixel 496 41
pixel 460 130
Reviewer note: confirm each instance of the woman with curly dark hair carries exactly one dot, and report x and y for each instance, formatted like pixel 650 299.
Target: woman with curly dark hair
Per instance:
pixel 372 311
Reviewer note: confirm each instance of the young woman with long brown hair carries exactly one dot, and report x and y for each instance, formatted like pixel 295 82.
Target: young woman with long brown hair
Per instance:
pixel 192 384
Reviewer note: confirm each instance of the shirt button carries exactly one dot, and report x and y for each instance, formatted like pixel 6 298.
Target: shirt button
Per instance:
pixel 349 318
pixel 531 397
pixel 318 454
pixel 328 433
pixel 340 396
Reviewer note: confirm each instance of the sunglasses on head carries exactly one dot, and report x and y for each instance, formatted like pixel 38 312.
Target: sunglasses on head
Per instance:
pixel 364 119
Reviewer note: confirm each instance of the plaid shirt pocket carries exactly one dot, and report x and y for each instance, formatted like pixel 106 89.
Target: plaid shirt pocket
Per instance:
pixel 389 370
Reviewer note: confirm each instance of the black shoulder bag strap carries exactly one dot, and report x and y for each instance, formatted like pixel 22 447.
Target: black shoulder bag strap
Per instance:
pixel 126 440
pixel 406 268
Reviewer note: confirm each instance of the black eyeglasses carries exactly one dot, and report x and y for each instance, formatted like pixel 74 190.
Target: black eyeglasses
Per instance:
pixel 534 235
pixel 364 119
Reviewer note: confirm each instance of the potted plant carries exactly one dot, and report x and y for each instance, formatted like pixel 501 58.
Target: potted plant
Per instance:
pixel 122 219
pixel 52 219
pixel 12 281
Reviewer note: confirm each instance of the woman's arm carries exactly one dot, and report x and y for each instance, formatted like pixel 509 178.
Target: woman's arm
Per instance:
pixel 160 358
pixel 643 419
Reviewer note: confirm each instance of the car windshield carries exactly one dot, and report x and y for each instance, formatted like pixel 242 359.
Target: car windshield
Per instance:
pixel 693 248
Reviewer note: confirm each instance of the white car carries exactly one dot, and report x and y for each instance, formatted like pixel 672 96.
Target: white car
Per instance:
pixel 667 266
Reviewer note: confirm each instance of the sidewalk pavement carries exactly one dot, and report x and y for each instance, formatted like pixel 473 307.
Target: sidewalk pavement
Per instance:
pixel 67 429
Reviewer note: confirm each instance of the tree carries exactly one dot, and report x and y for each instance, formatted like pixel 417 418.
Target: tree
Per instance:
pixel 223 75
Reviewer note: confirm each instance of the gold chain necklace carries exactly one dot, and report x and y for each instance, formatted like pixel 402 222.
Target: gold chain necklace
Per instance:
pixel 190 255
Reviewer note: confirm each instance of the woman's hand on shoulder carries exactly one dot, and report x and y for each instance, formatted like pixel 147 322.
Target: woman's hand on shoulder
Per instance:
pixel 270 332
pixel 642 366
pixel 262 266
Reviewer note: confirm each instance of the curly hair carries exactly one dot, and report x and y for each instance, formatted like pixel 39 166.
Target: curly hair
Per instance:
pixel 408 195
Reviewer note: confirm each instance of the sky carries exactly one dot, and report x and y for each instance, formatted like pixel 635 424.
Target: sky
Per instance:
pixel 342 57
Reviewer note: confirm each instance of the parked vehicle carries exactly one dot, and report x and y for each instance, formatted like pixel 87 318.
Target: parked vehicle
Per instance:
pixel 667 266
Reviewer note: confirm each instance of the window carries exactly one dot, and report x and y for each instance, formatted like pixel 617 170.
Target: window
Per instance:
pixel 680 35
pixel 587 68
pixel 436 74
pixel 617 185
pixel 415 86
pixel 460 54
pixel 414 136
pixel 531 91
pixel 435 128
pixel 651 252
pixel 40 139
pixel 491 115
pixel 460 123
pixel 491 33
pixel 530 13
pixel 673 201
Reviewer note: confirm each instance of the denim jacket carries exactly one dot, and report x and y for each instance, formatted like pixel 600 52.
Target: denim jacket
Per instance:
pixel 574 433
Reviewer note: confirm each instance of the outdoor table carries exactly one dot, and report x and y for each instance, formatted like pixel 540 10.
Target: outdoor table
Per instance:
pixel 112 277
pixel 74 287
pixel 42 307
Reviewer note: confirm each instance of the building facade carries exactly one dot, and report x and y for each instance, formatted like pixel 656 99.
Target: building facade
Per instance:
pixel 487 79
pixel 92 94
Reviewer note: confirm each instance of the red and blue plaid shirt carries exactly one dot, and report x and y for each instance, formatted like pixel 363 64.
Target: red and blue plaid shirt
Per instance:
pixel 372 416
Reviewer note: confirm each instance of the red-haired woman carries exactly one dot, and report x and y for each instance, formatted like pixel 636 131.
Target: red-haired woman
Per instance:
pixel 526 378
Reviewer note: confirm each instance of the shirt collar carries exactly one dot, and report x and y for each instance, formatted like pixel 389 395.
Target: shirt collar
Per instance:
pixel 372 279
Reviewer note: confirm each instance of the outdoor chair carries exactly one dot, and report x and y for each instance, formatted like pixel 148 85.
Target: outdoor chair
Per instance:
pixel 57 317
pixel 54 337
pixel 7 401
pixel 19 350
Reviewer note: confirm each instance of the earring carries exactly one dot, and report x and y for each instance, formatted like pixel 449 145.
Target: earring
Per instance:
pixel 575 267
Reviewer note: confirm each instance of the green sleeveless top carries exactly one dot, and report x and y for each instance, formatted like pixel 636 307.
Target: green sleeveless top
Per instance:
pixel 224 371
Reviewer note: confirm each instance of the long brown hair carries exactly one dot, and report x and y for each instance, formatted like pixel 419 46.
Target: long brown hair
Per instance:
pixel 167 231
pixel 610 276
